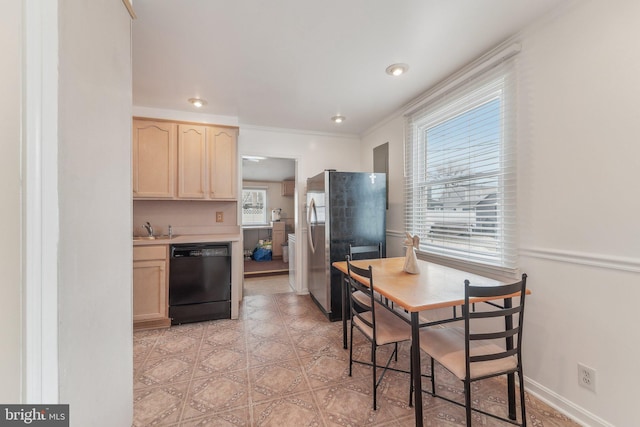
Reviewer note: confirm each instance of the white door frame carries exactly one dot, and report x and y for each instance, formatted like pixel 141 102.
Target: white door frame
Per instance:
pixel 40 226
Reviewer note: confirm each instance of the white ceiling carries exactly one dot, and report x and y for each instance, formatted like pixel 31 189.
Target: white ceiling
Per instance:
pixel 270 169
pixel 295 63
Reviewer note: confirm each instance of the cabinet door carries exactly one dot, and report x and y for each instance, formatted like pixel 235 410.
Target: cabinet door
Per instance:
pixel 192 158
pixel 149 290
pixel 223 164
pixel 278 240
pixel 288 188
pixel 154 159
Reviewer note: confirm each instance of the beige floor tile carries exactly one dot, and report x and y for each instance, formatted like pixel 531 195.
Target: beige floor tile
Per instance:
pixel 351 403
pixel 158 405
pixel 282 364
pixel 176 344
pixel 215 359
pixel 312 344
pixel 266 285
pixel 234 418
pixel 211 395
pixel 258 330
pixel 294 410
pixel 328 369
pixel 164 370
pixel 270 350
pixel 276 380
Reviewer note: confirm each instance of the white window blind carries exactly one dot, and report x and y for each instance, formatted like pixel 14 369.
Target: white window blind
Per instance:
pixel 460 175
pixel 254 206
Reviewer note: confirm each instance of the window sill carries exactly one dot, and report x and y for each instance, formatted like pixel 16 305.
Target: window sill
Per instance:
pixel 257 227
pixel 493 272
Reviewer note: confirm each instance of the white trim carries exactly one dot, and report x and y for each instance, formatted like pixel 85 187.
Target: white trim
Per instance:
pixel 490 59
pixel 129 7
pixel 397 234
pixel 487 61
pixel 40 201
pixel 584 258
pixel 300 132
pixel 570 409
pixel 187 116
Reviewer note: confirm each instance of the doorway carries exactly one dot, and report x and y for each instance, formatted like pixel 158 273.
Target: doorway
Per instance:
pixel 268 212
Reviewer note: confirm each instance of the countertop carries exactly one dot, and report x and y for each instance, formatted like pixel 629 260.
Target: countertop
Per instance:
pixel 190 238
pixel 264 226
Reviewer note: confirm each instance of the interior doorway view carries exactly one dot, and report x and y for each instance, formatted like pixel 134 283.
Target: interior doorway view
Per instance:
pixel 267 218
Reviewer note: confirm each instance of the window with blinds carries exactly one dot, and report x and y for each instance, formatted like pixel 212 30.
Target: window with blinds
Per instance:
pixel 254 206
pixel 460 173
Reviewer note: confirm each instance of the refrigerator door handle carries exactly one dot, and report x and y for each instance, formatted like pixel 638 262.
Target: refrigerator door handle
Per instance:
pixel 311 210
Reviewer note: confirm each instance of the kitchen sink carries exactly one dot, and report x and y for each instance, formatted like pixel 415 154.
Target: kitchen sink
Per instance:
pixel 159 237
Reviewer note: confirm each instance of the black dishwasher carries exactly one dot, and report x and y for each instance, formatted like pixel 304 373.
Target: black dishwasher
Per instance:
pixel 199 282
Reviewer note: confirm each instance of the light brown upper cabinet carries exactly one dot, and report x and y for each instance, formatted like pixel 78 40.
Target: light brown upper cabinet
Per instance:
pixel 288 188
pixel 222 163
pixel 154 159
pixel 190 162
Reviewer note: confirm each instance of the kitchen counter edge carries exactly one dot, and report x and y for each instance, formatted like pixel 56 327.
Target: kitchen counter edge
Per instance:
pixel 191 238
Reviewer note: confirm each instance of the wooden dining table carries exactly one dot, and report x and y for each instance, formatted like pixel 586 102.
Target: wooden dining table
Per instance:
pixel 436 286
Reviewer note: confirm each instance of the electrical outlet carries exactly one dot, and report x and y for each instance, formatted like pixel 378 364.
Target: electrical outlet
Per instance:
pixel 219 217
pixel 587 377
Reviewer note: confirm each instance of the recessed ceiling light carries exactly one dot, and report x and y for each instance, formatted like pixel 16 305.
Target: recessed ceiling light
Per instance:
pixel 397 69
pixel 197 102
pixel 338 119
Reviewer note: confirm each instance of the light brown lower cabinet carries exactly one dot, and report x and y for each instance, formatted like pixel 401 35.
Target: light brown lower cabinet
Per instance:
pixel 150 287
pixel 278 239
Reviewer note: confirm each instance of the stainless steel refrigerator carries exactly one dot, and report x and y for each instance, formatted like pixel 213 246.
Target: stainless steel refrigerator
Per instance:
pixel 343 208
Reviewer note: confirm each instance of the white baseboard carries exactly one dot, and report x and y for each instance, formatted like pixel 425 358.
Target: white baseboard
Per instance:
pixel 570 409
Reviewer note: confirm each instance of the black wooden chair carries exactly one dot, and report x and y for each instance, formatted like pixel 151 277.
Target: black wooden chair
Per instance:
pixel 378 325
pixel 364 252
pixel 489 345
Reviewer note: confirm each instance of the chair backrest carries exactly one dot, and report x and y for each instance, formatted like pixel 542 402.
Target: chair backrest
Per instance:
pixel 363 252
pixel 357 308
pixel 492 329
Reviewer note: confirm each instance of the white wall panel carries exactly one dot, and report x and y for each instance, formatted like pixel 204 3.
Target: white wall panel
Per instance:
pixel 579 233
pixel 95 252
pixel 10 210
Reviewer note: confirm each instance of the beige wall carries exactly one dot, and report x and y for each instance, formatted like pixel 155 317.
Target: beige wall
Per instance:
pixel 10 209
pixel 184 216
pixel 392 132
pixel 95 252
pixel 578 179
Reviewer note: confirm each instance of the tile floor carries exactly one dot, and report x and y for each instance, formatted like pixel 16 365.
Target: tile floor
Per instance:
pixel 282 364
pixel 267 285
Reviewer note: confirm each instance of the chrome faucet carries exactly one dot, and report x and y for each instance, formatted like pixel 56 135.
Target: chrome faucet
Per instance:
pixel 149 228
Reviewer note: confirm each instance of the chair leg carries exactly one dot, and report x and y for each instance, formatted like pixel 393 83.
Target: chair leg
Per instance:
pixel 522 404
pixel 396 352
pixel 351 351
pixel 433 377
pixel 375 388
pixel 467 400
